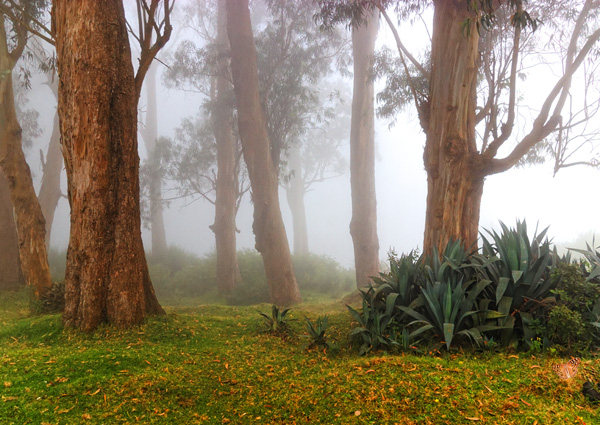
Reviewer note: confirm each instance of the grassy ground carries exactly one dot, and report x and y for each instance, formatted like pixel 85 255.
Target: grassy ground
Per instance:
pixel 212 365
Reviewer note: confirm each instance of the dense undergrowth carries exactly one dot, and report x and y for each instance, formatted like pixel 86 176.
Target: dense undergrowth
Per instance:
pixel 216 364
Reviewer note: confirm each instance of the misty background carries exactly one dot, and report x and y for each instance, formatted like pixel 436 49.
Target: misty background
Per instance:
pixel 566 202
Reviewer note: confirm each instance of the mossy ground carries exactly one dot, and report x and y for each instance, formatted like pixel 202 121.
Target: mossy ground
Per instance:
pixel 213 365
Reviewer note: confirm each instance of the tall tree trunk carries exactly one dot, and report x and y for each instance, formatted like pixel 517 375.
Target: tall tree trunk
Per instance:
pixel 271 239
pixel 150 136
pixel 28 214
pixel 50 192
pixel 107 276
pixel 363 226
pixel 10 265
pixel 295 191
pixel 228 271
pixel 454 172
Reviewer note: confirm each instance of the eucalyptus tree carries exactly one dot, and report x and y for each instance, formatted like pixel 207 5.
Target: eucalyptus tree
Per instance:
pixel 16 19
pixel 271 240
pixel 294 58
pixel 107 276
pixel 469 107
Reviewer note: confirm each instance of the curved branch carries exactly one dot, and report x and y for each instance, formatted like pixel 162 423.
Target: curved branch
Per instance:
pixel 543 124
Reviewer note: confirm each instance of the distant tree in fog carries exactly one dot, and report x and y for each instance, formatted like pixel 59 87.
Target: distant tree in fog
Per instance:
pixel 271 240
pixel 15 22
pixel 294 60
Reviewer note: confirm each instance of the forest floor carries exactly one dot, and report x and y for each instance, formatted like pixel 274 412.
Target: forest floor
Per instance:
pixel 214 365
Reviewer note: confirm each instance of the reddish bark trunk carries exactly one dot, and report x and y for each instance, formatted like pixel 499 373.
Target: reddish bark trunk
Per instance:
pixel 10 264
pixel 363 226
pixel 107 276
pixel 271 239
pixel 454 175
pixel 228 271
pixel 27 212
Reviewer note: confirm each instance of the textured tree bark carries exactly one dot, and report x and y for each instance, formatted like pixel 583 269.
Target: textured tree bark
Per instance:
pixel 228 271
pixel 454 173
pixel 50 192
pixel 271 239
pixel 107 275
pixel 295 192
pixel 363 226
pixel 27 212
pixel 150 135
pixel 10 265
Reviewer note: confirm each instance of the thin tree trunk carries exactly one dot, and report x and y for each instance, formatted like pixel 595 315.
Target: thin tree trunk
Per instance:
pixel 271 239
pixel 454 175
pixel 10 264
pixel 295 191
pixel 107 276
pixel 50 192
pixel 150 135
pixel 28 214
pixel 228 271
pixel 363 226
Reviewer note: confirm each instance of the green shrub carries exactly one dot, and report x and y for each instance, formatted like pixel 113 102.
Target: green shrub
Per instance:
pixel 568 329
pixel 322 274
pixel 574 290
pixel 253 288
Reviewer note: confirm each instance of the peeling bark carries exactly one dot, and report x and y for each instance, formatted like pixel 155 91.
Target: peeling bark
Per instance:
pixel 107 276
pixel 10 265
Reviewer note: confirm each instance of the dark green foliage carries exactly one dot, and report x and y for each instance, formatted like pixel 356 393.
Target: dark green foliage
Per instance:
pixel 404 278
pixel 574 290
pixel 505 293
pixel 54 300
pixel 377 326
pixel 523 279
pixel 316 334
pixel 567 328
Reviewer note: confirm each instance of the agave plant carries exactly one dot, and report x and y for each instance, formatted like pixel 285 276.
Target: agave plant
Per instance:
pixel 316 334
pixel 377 325
pixel 404 277
pixel 523 276
pixel 451 311
pixel 277 322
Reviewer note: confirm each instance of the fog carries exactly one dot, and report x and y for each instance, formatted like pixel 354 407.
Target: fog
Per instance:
pixel 565 202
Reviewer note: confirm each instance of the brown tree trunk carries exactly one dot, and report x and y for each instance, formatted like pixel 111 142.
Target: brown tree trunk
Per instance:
pixel 454 175
pixel 150 135
pixel 10 265
pixel 27 212
pixel 295 191
pixel 228 271
pixel 271 239
pixel 363 226
pixel 107 276
pixel 50 192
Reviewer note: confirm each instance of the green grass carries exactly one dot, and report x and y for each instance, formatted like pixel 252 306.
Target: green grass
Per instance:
pixel 213 365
